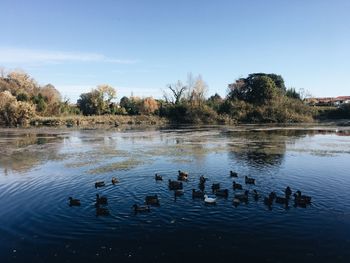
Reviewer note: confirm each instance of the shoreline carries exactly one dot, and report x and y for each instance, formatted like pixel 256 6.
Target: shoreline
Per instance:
pixel 152 122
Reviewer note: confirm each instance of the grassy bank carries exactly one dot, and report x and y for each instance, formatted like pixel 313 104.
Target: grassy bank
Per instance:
pixel 104 120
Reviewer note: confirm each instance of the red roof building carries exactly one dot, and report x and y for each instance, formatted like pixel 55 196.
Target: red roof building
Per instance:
pixel 328 101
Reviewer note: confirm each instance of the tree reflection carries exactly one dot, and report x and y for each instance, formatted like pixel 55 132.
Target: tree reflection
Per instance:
pixel 262 147
pixel 23 150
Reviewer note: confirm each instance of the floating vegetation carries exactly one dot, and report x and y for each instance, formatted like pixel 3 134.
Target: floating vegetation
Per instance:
pixel 122 165
pixel 319 152
pixel 180 160
pixel 176 152
pixel 91 157
pixel 78 164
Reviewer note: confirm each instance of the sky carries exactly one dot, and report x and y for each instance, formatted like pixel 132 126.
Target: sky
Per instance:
pixel 139 46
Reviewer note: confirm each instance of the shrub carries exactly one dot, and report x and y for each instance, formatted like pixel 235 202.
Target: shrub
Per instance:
pixel 13 112
pixel 148 106
pixel 283 109
pixel 342 112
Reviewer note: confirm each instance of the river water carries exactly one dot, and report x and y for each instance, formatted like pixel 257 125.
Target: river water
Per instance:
pixel 41 168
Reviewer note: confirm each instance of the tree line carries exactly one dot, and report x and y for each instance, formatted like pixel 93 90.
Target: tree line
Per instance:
pixel 259 97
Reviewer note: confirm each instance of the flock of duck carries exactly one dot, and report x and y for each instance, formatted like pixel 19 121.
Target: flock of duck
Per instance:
pixel 240 196
pixel 101 201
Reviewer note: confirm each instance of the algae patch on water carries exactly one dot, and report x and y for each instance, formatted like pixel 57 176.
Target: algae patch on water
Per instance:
pixel 87 158
pixel 115 166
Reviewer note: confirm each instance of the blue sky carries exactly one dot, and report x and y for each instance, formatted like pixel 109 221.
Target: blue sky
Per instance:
pixel 141 46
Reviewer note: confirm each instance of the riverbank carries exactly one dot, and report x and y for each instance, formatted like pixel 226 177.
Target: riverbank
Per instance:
pixel 97 121
pixel 108 121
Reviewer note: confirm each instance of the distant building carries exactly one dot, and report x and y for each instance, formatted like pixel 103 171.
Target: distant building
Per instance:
pixel 341 100
pixel 328 101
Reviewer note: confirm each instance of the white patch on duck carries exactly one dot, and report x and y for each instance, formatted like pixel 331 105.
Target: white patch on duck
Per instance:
pixel 209 200
pixel 236 202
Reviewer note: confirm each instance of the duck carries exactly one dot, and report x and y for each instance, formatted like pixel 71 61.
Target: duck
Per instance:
pixel 101 200
pixel 236 186
pixel 236 202
pixel 202 179
pixel 183 173
pixel 249 180
pixel 272 195
pixel 114 180
pixel 288 192
pixel 281 200
pixel 209 200
pixel 182 176
pixel 178 192
pixel 233 174
pixel 215 186
pixel 158 177
pixel 141 208
pixel 175 185
pixel 268 201
pixel 197 194
pixel 221 192
pixel 74 202
pixel 256 195
pixel 301 200
pixel 99 184
pixel 242 197
pixel 152 200
pixel 298 195
pixel 201 186
pixel 101 211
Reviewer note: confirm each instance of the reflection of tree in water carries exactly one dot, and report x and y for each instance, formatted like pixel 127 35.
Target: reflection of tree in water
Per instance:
pixel 262 147
pixel 21 151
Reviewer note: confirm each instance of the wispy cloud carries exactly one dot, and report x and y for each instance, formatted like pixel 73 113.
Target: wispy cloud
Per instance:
pixel 34 56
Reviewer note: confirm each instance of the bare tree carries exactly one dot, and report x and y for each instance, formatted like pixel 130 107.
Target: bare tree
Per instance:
pixel 2 72
pixel 190 85
pixel 305 94
pixel 177 92
pixel 199 91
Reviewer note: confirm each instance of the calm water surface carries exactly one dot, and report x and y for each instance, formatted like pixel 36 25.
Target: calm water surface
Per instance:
pixel 40 169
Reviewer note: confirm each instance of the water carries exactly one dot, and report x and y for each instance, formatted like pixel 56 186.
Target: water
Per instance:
pixel 40 169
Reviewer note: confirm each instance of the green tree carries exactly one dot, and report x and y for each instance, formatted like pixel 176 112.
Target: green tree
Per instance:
pixel 257 87
pixel 41 105
pixel 40 102
pixel 292 93
pixel 215 102
pixel 86 104
pixel 97 102
pixel 125 102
